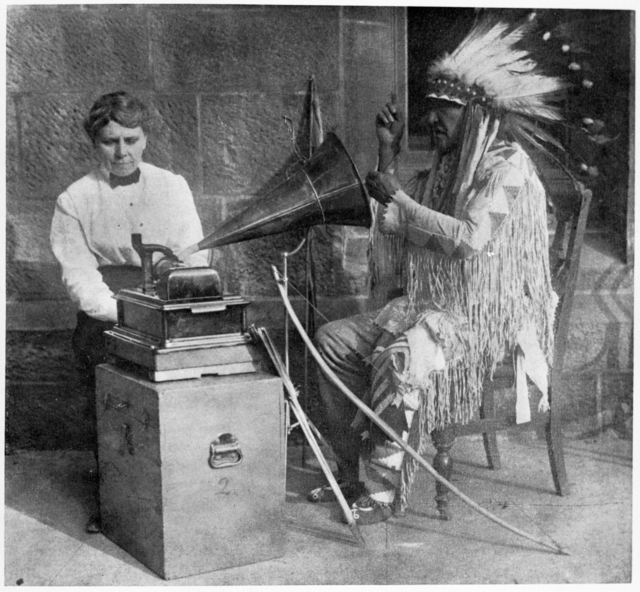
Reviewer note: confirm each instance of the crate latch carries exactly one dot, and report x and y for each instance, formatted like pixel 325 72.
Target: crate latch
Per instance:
pixel 224 452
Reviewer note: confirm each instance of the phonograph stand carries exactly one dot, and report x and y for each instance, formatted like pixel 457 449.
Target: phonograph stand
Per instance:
pixel 310 297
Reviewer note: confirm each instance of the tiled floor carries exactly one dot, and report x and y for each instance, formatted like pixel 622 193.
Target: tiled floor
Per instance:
pixel 49 495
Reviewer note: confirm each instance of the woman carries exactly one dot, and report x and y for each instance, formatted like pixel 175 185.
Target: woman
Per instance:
pixel 95 217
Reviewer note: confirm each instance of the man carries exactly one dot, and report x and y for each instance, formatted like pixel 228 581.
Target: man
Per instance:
pixel 466 243
pixel 95 217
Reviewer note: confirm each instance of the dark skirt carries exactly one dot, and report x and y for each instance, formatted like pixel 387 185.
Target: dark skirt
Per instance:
pixel 88 338
pixel 89 346
pixel 88 341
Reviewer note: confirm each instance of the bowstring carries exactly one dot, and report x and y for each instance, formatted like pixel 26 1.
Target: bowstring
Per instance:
pixel 315 308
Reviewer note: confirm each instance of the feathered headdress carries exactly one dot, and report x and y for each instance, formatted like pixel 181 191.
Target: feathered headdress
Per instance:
pixel 491 69
pixel 488 67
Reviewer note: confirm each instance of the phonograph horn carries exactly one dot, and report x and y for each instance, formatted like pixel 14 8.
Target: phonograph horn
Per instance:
pixel 326 190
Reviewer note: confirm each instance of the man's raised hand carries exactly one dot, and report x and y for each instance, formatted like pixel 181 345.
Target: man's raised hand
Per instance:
pixel 390 125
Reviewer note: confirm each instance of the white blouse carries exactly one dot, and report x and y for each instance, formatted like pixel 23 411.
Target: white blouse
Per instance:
pixel 93 223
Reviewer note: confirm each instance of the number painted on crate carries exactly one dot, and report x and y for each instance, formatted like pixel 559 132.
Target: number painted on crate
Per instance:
pixel 224 482
pixel 224 487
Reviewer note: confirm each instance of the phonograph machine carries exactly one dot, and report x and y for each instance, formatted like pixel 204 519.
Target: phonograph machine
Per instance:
pixel 192 422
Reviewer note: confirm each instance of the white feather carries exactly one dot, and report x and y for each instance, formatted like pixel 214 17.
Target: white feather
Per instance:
pixel 488 57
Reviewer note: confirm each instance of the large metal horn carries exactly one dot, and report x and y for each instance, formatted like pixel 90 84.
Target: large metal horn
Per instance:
pixel 326 190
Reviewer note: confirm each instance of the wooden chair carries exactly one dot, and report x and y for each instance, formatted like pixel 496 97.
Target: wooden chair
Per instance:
pixel 564 256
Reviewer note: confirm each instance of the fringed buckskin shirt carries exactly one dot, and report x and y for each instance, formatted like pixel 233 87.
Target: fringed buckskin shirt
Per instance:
pixel 475 274
pixel 93 223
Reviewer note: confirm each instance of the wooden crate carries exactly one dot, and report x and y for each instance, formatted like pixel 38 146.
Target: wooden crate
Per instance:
pixel 160 498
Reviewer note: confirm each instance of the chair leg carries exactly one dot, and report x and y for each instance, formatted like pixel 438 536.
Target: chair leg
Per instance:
pixel 487 410
pixel 491 449
pixel 443 440
pixel 553 432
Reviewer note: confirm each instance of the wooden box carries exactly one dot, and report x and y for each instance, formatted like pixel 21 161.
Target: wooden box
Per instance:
pixel 167 322
pixel 161 499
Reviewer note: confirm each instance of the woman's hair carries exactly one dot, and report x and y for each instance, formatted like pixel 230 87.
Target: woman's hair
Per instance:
pixel 120 107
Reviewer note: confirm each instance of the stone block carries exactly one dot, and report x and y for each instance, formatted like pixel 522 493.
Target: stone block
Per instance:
pixel 32 272
pixel 44 356
pixel 245 51
pixel 244 143
pixel 173 142
pixel 213 211
pixel 328 253
pixel 369 78
pixel 55 149
pixel 41 315
pixel 370 14
pixel 28 229
pixel 46 404
pixel 34 282
pixel 339 267
pixel 12 160
pixel 248 268
pixel 74 48
pixel 47 416
pixel 247 146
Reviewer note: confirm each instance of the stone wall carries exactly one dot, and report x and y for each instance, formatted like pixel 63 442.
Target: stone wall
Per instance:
pixel 223 81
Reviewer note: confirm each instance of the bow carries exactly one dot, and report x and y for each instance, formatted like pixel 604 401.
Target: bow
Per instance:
pixel 260 334
pixel 390 432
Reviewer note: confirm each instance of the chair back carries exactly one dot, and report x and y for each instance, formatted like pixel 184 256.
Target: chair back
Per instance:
pixel 564 258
